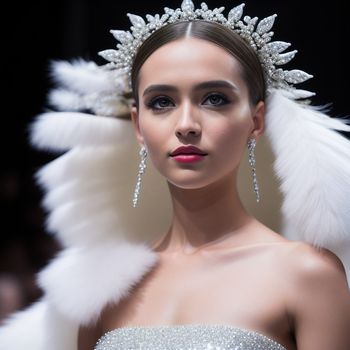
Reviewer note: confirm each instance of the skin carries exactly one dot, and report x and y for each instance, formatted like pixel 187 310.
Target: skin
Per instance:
pixel 218 264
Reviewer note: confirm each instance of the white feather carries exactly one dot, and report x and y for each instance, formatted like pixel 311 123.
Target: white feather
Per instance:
pixel 88 164
pixel 60 131
pixel 60 331
pixel 88 190
pixel 84 86
pixel 88 196
pixel 39 327
pixel 296 94
pixel 82 76
pixel 94 277
pixel 312 161
pixel 65 100
pixel 25 329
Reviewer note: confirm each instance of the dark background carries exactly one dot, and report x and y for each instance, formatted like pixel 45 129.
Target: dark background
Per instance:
pixel 41 31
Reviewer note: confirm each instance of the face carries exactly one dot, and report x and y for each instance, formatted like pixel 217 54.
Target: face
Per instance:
pixel 191 93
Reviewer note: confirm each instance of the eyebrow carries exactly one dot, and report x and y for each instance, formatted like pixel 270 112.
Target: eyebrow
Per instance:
pixel 201 86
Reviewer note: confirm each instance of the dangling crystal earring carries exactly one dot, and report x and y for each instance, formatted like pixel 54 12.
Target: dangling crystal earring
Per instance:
pixel 142 167
pixel 251 147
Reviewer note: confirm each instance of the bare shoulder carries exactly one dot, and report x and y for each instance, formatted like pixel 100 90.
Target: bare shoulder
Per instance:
pixel 307 269
pixel 306 261
pixel 299 259
pixel 316 297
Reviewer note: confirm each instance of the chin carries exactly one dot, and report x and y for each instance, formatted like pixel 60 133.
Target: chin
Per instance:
pixel 186 186
pixel 190 182
pixel 193 179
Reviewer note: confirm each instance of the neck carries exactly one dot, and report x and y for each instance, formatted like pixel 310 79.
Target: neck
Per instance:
pixel 203 217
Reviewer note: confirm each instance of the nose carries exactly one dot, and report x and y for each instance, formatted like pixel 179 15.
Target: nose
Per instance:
pixel 187 124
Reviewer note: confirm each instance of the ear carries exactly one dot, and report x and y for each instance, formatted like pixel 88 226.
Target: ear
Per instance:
pixel 135 121
pixel 259 120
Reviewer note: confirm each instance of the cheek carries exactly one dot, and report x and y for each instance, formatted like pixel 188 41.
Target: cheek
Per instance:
pixel 229 144
pixel 230 138
pixel 155 134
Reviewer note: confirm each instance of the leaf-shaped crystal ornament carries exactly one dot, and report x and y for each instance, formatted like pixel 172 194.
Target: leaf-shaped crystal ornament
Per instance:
pixel 266 24
pixel 296 76
pixel 276 46
pixel 235 14
pixel 121 35
pixel 256 33
pixel 285 57
pixel 136 21
pixel 110 55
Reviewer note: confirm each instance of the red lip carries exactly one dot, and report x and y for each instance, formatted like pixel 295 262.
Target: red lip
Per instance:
pixel 187 150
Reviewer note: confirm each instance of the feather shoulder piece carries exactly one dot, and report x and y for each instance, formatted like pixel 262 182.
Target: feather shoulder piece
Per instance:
pixel 312 162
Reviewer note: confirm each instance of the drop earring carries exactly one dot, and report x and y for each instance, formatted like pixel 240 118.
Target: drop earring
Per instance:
pixel 251 148
pixel 142 167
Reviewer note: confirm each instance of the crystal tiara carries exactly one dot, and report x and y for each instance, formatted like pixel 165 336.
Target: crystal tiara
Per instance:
pixel 256 33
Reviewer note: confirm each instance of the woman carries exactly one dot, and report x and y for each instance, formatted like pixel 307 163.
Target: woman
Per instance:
pixel 220 278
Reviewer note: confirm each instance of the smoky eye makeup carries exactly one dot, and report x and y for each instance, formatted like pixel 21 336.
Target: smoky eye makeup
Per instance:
pixel 211 100
pixel 216 99
pixel 160 102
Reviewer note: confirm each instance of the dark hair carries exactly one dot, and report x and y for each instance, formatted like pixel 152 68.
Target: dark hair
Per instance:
pixel 252 71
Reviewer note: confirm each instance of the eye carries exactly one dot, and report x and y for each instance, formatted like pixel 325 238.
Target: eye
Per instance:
pixel 159 103
pixel 216 99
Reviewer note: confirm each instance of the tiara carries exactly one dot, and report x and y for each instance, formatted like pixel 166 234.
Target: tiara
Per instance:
pixel 256 33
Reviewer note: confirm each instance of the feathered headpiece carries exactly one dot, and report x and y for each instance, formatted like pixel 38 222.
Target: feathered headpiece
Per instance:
pixel 88 189
pixel 312 160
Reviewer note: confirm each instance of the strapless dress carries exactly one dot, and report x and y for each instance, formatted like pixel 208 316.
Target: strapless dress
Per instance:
pixel 185 337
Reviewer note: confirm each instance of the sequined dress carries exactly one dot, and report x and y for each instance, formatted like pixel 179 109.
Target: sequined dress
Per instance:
pixel 185 337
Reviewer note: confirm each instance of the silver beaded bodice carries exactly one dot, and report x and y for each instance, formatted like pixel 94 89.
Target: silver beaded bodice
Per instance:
pixel 185 337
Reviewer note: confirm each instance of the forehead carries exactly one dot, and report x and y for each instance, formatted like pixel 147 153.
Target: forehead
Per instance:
pixel 188 61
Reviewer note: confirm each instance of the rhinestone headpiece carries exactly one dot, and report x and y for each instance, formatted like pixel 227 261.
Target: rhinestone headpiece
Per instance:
pixel 257 33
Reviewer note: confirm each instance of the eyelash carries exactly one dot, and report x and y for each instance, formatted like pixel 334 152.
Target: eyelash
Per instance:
pixel 152 103
pixel 224 99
